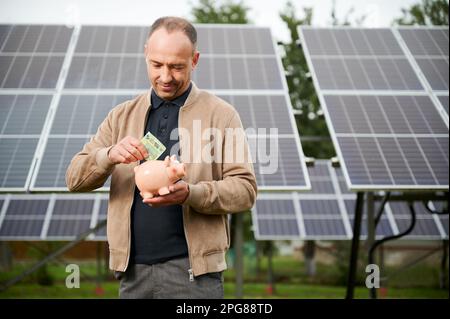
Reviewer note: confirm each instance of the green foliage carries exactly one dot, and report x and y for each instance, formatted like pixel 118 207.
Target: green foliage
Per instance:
pixel 429 12
pixel 301 89
pixel 210 11
pixel 336 21
pixel 341 253
pixel 39 251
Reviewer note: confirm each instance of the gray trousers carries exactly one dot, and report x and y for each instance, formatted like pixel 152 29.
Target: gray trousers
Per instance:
pixel 169 280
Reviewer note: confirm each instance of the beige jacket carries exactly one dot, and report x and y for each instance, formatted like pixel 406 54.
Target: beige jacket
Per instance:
pixel 216 189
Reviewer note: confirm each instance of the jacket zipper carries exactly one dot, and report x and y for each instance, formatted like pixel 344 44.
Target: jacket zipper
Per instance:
pixel 190 271
pixel 134 190
pixel 129 232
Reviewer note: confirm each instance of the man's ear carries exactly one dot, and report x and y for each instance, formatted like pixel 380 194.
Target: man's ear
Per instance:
pixel 195 59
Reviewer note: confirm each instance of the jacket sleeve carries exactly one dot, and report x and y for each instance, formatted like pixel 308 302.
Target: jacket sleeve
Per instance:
pixel 237 190
pixel 90 168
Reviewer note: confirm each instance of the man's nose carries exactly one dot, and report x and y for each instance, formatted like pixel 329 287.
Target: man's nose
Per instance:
pixel 166 76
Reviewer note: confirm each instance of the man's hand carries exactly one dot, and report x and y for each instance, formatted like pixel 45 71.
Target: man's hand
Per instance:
pixel 128 150
pixel 178 194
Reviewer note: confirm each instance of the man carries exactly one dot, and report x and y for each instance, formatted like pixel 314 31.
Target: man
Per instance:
pixel 170 246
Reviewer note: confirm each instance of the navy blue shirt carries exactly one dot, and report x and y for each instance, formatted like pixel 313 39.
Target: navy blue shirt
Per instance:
pixel 157 233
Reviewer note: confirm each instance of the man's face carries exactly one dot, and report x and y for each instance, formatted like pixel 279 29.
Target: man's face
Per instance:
pixel 170 60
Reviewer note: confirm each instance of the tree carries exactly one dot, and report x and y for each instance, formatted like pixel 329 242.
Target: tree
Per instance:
pixel 311 124
pixel 335 21
pixel 312 127
pixel 209 11
pixel 429 12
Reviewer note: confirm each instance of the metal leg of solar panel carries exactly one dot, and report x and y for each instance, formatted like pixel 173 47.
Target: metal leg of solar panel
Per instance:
pixel 271 276
pixel 371 258
pixel 61 261
pixel 443 273
pixel 53 255
pixel 355 244
pixel 373 292
pixel 239 257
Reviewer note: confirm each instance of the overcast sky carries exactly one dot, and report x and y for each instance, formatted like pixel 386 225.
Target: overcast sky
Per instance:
pixel 380 13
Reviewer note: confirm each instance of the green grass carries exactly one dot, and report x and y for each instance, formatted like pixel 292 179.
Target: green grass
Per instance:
pixel 251 290
pixel 420 281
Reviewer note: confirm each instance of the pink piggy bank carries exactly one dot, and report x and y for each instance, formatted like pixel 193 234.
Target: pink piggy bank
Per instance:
pixel 154 177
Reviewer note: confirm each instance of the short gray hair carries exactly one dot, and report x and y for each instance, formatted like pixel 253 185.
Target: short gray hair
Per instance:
pixel 175 24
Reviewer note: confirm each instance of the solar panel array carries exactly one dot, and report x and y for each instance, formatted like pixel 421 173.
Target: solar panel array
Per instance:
pixel 384 93
pixel 31 59
pixel 429 48
pixel 51 216
pixel 327 212
pixel 58 84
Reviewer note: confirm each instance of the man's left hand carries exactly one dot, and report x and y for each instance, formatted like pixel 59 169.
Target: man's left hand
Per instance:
pixel 178 194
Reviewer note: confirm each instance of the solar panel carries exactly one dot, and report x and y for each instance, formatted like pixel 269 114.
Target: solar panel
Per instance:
pixel 51 216
pixel 387 128
pixel 277 218
pixel 16 157
pixel 385 226
pixel 76 120
pixel 278 165
pixel 427 225
pixel 70 217
pixel 429 47
pixel 239 63
pixel 234 40
pixel 317 214
pixel 82 114
pixel 22 119
pixel 23 220
pixel 31 56
pixel 326 213
pixel 56 159
pixel 263 112
pixel 102 216
pixel 444 102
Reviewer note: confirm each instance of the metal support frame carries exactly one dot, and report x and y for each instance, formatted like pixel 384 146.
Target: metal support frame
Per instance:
pixel 355 244
pixel 270 271
pixel 373 292
pixel 410 197
pixel 443 275
pixel 239 254
pixel 53 255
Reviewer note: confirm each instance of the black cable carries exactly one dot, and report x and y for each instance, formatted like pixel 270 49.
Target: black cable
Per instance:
pixel 381 208
pixel 432 211
pixel 377 243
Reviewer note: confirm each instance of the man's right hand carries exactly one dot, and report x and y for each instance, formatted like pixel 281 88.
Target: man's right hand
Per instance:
pixel 128 150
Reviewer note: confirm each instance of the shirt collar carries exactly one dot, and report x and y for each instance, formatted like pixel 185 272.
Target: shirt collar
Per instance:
pixel 179 101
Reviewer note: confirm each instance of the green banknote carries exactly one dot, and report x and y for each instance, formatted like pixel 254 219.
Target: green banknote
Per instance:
pixel 154 147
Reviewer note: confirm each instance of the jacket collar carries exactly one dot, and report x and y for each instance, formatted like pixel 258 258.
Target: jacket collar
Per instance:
pixel 179 101
pixel 192 97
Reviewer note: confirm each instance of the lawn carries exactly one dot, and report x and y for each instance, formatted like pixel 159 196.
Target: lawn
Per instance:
pixel 291 282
